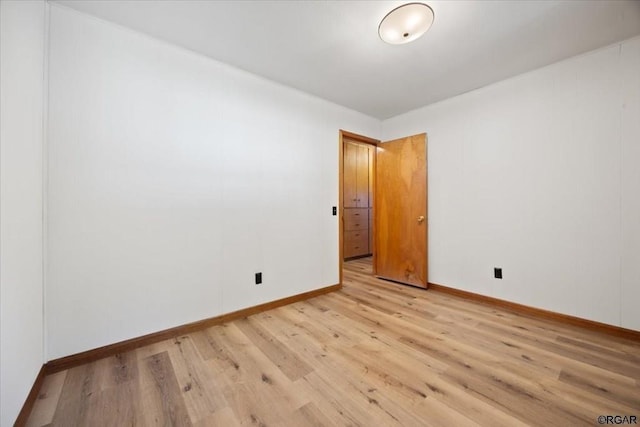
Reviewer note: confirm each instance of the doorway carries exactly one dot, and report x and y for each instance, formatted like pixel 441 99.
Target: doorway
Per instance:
pixel 383 207
pixel 356 197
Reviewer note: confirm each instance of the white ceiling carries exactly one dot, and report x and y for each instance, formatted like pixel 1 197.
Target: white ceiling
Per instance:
pixel 331 48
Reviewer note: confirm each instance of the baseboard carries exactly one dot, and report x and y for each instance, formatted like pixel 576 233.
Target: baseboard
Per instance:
pixel 88 356
pixel 540 313
pixel 23 416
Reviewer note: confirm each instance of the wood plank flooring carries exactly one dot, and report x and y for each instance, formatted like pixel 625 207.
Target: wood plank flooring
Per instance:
pixel 373 354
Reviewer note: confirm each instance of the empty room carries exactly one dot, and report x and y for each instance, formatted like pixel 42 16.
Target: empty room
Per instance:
pixel 319 213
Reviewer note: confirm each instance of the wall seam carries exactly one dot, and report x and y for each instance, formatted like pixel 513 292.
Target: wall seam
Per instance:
pixel 621 177
pixel 45 172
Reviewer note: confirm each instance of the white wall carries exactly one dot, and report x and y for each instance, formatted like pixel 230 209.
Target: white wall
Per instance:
pixel 630 179
pixel 21 111
pixel 172 180
pixel 539 174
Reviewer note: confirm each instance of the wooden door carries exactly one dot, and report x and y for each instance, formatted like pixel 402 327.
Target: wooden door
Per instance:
pixel 350 171
pixel 401 211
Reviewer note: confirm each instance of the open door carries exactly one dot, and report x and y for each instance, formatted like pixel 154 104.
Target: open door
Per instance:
pixel 401 211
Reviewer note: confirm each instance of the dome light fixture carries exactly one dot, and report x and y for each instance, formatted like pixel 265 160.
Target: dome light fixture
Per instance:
pixel 406 23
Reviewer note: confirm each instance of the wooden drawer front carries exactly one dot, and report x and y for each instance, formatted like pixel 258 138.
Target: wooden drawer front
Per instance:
pixel 356 219
pixel 356 243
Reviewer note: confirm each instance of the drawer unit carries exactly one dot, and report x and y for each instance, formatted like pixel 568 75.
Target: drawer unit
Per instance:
pixel 356 243
pixel 356 219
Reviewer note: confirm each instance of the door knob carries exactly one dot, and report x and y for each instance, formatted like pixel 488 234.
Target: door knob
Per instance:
pixel 420 219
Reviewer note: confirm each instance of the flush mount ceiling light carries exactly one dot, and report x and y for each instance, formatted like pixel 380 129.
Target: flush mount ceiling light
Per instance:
pixel 406 23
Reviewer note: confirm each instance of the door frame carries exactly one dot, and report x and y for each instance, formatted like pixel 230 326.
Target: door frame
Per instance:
pixel 343 134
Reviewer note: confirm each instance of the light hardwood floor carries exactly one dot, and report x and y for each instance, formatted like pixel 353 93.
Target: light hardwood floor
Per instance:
pixel 373 354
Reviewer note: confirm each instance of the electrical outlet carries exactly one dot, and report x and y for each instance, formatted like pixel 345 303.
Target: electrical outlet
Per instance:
pixel 334 210
pixel 497 273
pixel 258 278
